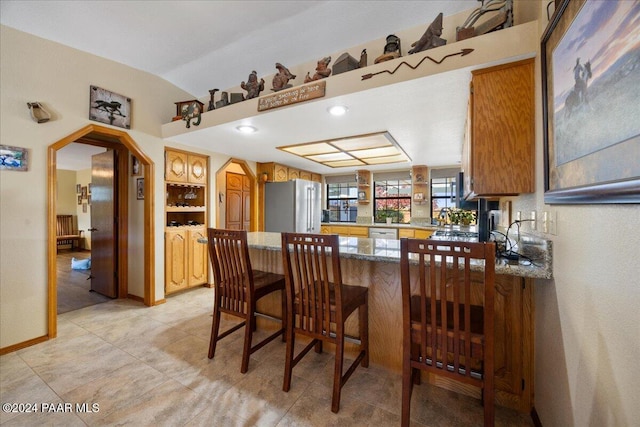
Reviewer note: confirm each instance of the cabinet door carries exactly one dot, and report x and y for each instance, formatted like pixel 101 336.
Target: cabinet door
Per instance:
pixel 175 270
pixel 293 173
pixel 316 177
pixel 305 175
pixel 280 173
pixel 325 229
pixel 423 234
pixel 404 232
pixel 197 169
pixel 176 166
pixel 502 130
pixel 359 231
pixel 197 258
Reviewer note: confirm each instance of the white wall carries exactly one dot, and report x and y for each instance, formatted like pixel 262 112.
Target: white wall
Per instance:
pixel 35 69
pixel 587 318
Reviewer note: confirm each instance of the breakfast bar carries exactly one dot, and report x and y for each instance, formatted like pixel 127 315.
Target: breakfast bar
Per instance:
pixel 375 263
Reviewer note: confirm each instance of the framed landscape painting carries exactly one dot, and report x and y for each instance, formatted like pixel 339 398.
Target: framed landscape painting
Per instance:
pixel 591 93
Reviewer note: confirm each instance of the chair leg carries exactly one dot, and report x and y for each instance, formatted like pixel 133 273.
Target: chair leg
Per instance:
pixel 284 315
pixel 337 372
pixel 215 329
pixel 249 327
pixel 288 365
pixel 363 313
pixel 407 388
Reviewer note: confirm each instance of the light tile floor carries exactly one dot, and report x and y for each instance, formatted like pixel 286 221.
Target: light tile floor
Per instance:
pixel 148 366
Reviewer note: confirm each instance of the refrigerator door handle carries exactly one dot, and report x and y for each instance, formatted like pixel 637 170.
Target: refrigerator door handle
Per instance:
pixel 311 195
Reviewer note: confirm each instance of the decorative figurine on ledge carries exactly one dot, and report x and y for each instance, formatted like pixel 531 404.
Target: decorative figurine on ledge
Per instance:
pixel 430 38
pixel 212 105
pixel 391 49
pixel 224 100
pixel 253 87
pixel 282 77
pixel 322 70
pixel 192 111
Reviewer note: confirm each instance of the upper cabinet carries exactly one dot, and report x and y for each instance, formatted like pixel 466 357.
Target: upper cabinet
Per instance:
pixel 185 167
pixel 276 172
pixel 498 151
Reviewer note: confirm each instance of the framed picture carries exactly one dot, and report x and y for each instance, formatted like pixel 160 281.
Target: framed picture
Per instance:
pixel 89 199
pixel 362 195
pixel 108 107
pixel 78 189
pixel 590 90
pixel 135 166
pixel 140 188
pixel 13 158
pixel 83 192
pixel 418 197
pixel 89 188
pixel 79 199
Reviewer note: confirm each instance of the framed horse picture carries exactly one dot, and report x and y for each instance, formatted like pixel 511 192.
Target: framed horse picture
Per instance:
pixel 108 107
pixel 590 90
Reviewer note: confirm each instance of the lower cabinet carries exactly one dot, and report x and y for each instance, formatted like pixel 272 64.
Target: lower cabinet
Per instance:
pixel 185 259
pixel 345 230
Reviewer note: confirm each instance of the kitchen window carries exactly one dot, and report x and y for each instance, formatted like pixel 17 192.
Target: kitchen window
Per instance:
pixel 443 195
pixel 342 201
pixel 392 199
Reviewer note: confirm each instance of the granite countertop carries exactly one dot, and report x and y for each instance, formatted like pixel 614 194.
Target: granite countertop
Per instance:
pixel 380 225
pixel 388 250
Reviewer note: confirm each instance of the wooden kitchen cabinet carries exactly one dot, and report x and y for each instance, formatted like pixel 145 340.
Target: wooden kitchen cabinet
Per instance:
pixel 186 259
pixel 498 151
pixel 277 173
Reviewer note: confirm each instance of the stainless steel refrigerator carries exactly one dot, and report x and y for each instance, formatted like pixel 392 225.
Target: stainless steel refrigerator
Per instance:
pixel 293 206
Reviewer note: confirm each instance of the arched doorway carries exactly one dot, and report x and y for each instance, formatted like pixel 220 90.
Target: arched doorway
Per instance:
pixel 118 140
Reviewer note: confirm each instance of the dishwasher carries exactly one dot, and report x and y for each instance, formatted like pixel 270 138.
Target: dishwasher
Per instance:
pixel 383 233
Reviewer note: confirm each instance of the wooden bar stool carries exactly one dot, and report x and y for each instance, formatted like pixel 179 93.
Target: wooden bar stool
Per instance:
pixel 318 304
pixel 238 288
pixel 448 316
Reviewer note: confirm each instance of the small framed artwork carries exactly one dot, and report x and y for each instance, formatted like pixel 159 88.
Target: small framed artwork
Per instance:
pixel 362 195
pixel 89 199
pixel 83 192
pixel 79 199
pixel 108 107
pixel 135 166
pixel 418 197
pixel 13 158
pixel 140 188
pixel 89 188
pixel 84 208
pixel 78 188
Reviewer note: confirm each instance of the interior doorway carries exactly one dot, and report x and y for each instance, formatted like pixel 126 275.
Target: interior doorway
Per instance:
pixel 121 142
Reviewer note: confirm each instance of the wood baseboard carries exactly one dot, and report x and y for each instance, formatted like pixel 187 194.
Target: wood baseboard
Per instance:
pixel 19 346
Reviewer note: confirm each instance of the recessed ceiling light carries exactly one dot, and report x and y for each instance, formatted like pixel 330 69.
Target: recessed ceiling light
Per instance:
pixel 246 129
pixel 337 110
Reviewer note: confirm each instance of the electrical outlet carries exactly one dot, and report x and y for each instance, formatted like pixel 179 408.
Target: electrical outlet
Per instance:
pixel 533 222
pixel 550 222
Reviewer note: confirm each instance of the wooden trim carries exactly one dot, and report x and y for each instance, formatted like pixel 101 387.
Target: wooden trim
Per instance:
pixel 135 298
pixel 21 345
pixel 121 141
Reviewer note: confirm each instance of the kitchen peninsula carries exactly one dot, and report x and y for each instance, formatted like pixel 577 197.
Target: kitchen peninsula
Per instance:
pixel 375 263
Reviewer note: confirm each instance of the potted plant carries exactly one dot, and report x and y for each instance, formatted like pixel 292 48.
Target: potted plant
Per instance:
pixel 461 216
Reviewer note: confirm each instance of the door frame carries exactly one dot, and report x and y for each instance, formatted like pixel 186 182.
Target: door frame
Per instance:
pixel 124 144
pixel 253 192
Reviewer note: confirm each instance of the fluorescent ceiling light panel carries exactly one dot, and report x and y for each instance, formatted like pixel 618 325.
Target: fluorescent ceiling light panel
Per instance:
pixel 360 150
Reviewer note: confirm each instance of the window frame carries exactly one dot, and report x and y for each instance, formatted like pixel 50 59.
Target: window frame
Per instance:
pixel 377 219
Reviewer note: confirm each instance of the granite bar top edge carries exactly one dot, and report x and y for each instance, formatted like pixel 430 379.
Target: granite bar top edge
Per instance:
pixel 388 250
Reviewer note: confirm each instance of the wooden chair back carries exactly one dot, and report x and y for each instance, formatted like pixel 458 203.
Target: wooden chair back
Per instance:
pixel 448 315
pixel 65 225
pixel 229 254
pixel 312 274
